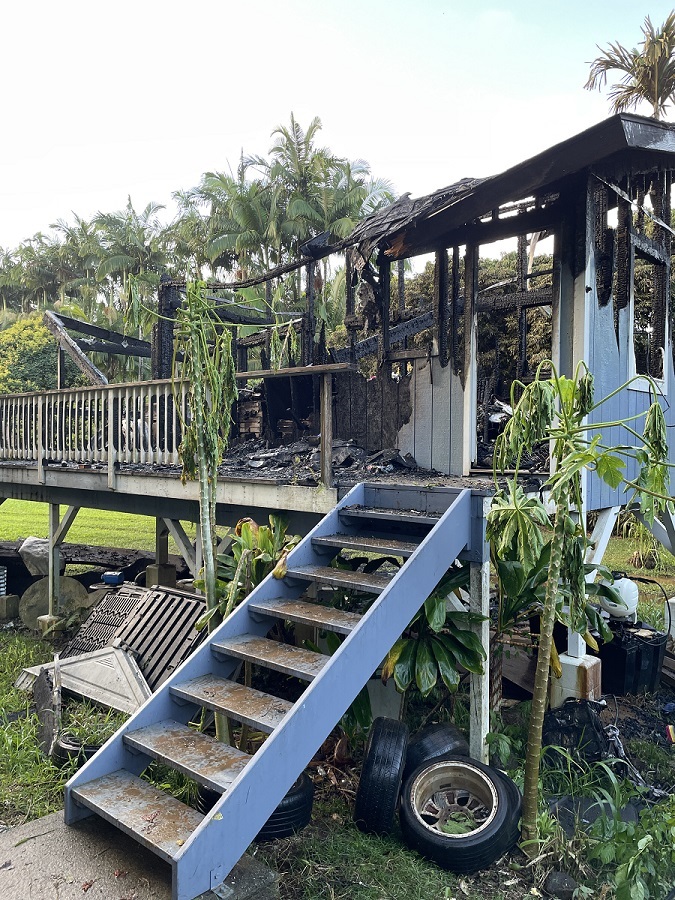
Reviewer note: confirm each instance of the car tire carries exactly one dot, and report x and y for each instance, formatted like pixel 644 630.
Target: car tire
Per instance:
pixel 441 739
pixel 66 749
pixel 291 815
pixel 381 776
pixel 516 808
pixel 437 794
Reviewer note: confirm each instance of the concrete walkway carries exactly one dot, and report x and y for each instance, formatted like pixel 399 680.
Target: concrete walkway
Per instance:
pixel 46 860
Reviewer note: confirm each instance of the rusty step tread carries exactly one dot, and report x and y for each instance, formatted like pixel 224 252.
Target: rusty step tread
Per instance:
pixel 156 820
pixel 385 546
pixel 356 581
pixel 245 704
pixel 408 516
pixel 305 664
pixel 337 620
pixel 197 755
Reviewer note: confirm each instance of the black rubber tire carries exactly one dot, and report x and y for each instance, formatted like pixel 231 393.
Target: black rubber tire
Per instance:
pixel 291 815
pixel 66 749
pixel 483 786
pixel 516 806
pixel 441 739
pixel 381 776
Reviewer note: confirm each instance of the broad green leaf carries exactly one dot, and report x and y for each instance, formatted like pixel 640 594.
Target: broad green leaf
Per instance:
pixel 610 468
pixel 463 657
pixel 404 670
pixel 445 663
pixel 392 658
pixel 435 611
pixel 426 670
pixel 469 640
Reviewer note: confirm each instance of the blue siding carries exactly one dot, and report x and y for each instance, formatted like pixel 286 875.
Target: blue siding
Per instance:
pixel 609 360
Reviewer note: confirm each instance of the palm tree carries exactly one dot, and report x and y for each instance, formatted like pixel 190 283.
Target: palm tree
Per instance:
pixel 648 71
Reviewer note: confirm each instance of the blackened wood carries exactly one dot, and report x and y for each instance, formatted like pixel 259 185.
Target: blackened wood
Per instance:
pixel 385 289
pixel 310 323
pixel 295 370
pixel 85 366
pixel 88 345
pixel 455 307
pixel 105 334
pixel 396 334
pixel 441 307
pixel 168 301
pixel 349 306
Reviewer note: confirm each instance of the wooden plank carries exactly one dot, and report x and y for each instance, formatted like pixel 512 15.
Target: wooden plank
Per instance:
pixel 355 581
pixel 105 334
pixel 388 515
pixel 328 368
pixel 254 708
pixel 326 415
pixel 385 546
pixel 337 620
pixel 88 369
pixel 479 685
pixel 195 754
pixel 285 658
pixel 154 819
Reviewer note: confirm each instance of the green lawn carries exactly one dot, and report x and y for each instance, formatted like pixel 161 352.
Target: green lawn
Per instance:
pixel 21 519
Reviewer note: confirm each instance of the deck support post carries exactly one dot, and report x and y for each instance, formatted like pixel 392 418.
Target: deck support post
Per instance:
pixel 58 529
pixel 479 685
pixel 326 414
pixel 161 572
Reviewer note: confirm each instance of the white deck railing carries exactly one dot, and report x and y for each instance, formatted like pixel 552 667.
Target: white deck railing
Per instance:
pixel 125 423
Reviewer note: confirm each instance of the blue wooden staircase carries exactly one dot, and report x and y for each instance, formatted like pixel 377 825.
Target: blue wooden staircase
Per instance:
pixel 428 529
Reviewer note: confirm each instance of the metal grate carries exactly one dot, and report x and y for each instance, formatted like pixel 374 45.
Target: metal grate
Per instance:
pixel 106 618
pixel 161 632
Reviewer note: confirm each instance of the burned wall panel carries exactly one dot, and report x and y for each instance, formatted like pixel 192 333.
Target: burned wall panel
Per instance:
pixel 370 411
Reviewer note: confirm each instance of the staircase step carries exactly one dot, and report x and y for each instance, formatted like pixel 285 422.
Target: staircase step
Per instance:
pixel 355 581
pixel 305 664
pixel 406 516
pixel 308 614
pixel 385 546
pixel 197 755
pixel 158 821
pixel 255 708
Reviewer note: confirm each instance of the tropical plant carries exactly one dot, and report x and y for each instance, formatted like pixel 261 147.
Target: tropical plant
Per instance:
pixel 255 551
pixel 556 409
pixel 208 371
pixel 647 72
pixel 436 643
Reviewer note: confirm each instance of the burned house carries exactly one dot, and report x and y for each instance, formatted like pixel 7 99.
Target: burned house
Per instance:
pixel 602 199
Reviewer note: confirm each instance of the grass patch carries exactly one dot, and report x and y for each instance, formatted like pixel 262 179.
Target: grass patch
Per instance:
pixel 24 518
pixel 333 859
pixel 30 785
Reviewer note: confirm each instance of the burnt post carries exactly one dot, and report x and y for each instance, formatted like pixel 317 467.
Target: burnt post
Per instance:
pixel 350 307
pixel 310 322
pixel 384 279
pixel 441 310
pixel 168 302
pixel 400 270
pixel 326 414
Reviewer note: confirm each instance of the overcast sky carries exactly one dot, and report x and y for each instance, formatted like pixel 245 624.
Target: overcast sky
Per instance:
pixel 102 100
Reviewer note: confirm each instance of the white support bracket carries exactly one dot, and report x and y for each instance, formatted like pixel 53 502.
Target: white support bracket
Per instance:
pixel 184 544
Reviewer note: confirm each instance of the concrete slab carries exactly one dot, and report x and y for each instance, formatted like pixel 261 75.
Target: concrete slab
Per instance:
pixel 47 860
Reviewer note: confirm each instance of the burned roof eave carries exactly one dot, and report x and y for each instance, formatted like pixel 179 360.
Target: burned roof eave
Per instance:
pixel 426 228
